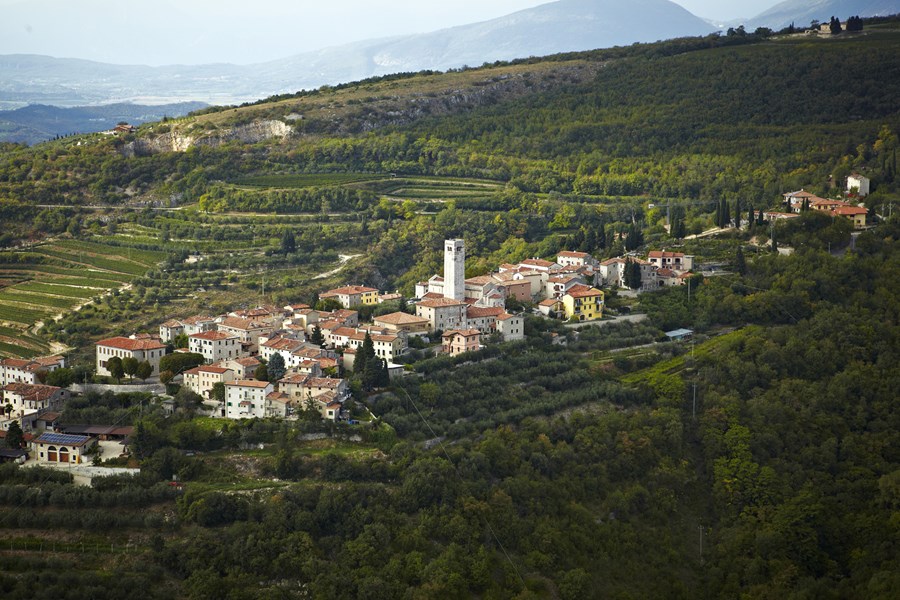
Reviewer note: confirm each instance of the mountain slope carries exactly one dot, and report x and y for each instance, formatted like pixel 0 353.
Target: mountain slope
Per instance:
pixel 802 12
pixel 567 25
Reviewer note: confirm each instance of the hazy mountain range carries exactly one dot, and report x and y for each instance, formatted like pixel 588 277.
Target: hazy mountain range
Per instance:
pixel 562 26
pixel 802 12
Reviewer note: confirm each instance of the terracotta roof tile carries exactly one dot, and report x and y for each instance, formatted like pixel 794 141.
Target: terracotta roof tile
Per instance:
pixel 124 343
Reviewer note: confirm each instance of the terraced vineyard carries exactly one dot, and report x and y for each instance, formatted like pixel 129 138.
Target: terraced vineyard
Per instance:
pixel 54 278
pixel 309 180
pixel 437 189
pixel 421 189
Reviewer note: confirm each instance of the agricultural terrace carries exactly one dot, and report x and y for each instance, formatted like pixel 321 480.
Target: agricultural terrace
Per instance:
pixel 55 278
pixel 335 194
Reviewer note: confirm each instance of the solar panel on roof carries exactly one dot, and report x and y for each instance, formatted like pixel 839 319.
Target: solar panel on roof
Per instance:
pixel 62 438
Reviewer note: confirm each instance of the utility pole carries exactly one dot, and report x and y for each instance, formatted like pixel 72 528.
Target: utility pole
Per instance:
pixel 701 543
pixel 694 404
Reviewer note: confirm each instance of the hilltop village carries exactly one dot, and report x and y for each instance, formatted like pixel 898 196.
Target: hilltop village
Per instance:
pixel 287 361
pixel 276 362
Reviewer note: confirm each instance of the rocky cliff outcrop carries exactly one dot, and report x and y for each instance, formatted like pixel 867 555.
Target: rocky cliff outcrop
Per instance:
pixel 175 141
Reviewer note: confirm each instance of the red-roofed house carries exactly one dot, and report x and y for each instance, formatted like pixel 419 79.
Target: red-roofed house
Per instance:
pixel 142 350
pixel 215 345
pixel 198 324
pixel 567 258
pixel 538 264
pixel 511 327
pixel 794 200
pixel 246 398
pixel 550 307
pixel 17 370
pixel 247 330
pixel 558 285
pixel 583 303
pixel 279 405
pixel 442 313
pixel 281 344
pixel 352 295
pixel 201 380
pixel 828 205
pixel 401 321
pixel 484 319
pixel 676 261
pixel 518 288
pixel 457 341
pixel 857 214
pixel 243 367
pixel 300 387
pixel 27 398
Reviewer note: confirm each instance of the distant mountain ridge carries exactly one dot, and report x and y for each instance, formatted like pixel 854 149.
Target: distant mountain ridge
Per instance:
pixel 802 12
pixel 562 26
pixel 38 122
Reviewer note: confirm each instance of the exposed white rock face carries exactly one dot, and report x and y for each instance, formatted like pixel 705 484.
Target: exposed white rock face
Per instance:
pixel 250 133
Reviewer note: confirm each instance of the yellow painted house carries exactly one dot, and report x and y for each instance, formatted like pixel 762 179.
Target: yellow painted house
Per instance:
pixel 583 302
pixel 352 295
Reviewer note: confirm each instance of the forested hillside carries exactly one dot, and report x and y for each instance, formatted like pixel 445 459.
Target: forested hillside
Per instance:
pixel 757 461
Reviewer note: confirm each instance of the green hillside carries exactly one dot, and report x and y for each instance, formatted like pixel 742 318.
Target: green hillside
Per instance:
pixel 757 461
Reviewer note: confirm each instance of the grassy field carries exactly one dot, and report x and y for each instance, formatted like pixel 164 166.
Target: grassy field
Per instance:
pixel 56 277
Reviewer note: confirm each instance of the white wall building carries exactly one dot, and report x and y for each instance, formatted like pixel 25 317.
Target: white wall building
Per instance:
pixel 215 345
pixel 18 370
pixel 859 184
pixel 246 398
pixel 512 327
pixel 148 350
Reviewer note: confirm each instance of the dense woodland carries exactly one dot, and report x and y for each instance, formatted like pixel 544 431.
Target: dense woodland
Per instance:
pixel 759 461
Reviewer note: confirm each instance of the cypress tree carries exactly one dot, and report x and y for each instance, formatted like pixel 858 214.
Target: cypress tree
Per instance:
pixel 590 241
pixel 15 439
pixel 740 264
pixel 364 354
pixel 317 337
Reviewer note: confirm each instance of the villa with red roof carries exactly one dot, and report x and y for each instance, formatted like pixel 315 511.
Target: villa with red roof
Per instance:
pixel 149 350
pixel 201 380
pixel 18 370
pixel 215 345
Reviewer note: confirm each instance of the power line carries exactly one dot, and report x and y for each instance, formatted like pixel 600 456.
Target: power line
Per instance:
pixel 456 470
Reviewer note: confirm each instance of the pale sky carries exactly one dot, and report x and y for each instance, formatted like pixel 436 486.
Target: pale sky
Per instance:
pixel 247 31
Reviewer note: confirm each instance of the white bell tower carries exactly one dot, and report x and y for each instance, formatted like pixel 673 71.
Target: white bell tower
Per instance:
pixel 455 269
